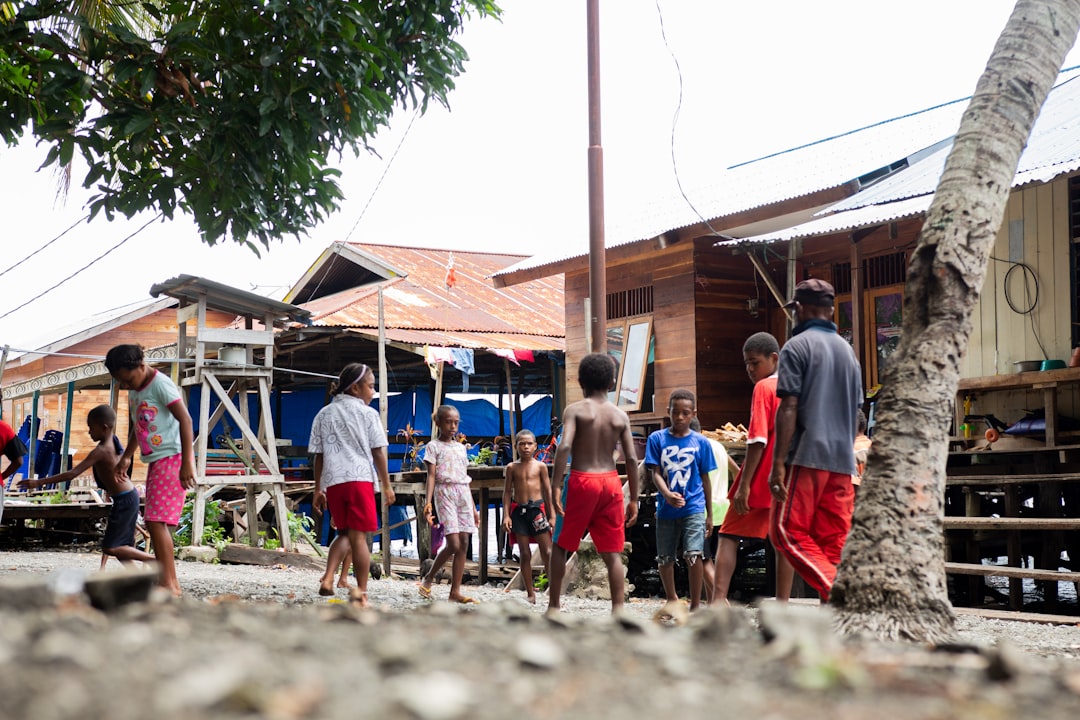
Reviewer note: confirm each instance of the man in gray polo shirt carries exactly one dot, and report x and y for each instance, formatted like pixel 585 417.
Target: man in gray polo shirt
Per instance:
pixel 820 388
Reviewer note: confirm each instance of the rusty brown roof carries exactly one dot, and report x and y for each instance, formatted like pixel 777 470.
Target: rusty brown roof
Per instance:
pixel 420 310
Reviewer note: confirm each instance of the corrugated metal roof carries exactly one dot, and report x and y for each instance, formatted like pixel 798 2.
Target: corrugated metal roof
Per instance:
pixel 840 222
pixel 466 339
pixel 418 300
pixel 228 299
pixel 832 162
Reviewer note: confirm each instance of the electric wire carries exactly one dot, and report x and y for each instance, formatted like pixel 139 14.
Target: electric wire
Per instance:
pixel 674 126
pixel 1032 300
pixel 72 227
pixel 386 169
pixel 43 293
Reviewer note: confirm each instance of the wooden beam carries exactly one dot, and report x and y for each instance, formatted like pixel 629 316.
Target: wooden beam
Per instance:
pixel 773 290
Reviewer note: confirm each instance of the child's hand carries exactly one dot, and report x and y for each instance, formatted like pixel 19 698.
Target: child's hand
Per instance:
pixel 27 484
pixel 508 526
pixel 556 505
pixel 318 500
pixel 675 499
pixel 187 474
pixel 476 517
pixel 428 515
pixel 741 502
pixel 631 514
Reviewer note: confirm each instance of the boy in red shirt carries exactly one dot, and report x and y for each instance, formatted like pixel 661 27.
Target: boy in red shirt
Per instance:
pixel 748 514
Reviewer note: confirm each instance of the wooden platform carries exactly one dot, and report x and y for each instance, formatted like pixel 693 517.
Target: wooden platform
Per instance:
pixel 56 511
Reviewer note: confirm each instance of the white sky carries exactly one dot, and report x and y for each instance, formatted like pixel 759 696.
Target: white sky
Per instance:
pixel 505 168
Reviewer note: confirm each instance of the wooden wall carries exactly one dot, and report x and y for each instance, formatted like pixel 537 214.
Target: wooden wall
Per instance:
pixel 1000 335
pixel 670 272
pixel 722 285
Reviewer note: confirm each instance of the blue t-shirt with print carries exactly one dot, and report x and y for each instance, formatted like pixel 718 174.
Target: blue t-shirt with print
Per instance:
pixel 683 461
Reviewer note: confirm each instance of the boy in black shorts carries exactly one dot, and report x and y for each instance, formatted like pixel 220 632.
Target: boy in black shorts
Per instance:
pixel 530 515
pixel 119 540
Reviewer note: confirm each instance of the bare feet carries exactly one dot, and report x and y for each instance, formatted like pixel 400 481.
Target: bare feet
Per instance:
pixel 343 583
pixel 358 597
pixel 531 597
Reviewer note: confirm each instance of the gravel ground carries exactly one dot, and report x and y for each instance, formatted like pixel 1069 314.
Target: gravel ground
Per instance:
pixel 250 641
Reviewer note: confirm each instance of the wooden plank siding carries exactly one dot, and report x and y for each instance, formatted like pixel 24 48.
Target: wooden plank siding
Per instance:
pixel 1002 336
pixel 723 283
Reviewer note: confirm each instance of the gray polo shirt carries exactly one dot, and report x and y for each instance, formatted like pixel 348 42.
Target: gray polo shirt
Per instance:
pixel 819 367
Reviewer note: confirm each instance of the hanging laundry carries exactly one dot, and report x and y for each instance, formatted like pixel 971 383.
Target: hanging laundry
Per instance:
pixel 462 359
pixel 513 356
pixel 451 276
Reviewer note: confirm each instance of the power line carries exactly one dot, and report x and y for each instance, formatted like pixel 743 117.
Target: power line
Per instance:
pixel 84 267
pixel 76 224
pixel 674 126
pixel 381 177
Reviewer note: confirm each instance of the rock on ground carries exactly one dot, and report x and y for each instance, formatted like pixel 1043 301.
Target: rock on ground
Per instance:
pixel 258 642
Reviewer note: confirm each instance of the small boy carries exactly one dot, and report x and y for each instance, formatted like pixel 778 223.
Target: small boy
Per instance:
pixel 680 461
pixel 162 430
pixel 119 540
pixel 748 515
pixel 592 428
pixel 530 515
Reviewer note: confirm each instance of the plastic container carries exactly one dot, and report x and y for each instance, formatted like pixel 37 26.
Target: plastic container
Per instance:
pixel 1053 364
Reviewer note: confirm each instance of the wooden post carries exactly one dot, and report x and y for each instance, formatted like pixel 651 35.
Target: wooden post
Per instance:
pixel 510 402
pixel 64 464
pixel 437 400
pixel 384 387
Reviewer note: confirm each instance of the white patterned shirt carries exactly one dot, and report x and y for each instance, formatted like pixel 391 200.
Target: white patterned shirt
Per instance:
pixel 450 461
pixel 344 433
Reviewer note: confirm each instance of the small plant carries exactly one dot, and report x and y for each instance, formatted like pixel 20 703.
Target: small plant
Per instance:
pixel 58 497
pixel 413 459
pixel 300 526
pixel 213 532
pixel 486 455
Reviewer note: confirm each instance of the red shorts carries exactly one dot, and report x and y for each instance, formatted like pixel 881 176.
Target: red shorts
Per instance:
pixel 812 524
pixel 352 506
pixel 594 503
pixel 754 524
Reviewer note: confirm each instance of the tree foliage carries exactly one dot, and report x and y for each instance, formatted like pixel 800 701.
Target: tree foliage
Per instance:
pixel 228 111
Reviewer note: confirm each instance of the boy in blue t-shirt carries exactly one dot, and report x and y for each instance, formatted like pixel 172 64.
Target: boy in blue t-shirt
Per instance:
pixel 680 461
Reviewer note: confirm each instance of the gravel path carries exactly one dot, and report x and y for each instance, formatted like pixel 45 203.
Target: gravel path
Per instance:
pixel 249 641
pixel 297 587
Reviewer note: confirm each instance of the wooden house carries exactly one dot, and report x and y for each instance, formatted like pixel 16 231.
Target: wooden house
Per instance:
pixel 62 380
pixel 847 209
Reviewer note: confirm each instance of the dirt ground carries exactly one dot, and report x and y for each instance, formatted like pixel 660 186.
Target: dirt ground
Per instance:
pixel 259 642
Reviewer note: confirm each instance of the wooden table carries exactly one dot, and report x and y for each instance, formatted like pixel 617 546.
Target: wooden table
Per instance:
pixel 485 478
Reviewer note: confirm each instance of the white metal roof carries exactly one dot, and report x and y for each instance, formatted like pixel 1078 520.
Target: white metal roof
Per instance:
pixel 920 138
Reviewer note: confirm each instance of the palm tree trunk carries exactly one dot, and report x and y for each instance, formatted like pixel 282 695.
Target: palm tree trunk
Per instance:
pixel 891 581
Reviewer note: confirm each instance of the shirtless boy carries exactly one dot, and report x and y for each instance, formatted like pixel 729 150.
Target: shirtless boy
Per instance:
pixel 592 428
pixel 119 539
pixel 530 515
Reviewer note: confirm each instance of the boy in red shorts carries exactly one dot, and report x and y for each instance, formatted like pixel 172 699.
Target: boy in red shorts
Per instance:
pixel 751 500
pixel 592 428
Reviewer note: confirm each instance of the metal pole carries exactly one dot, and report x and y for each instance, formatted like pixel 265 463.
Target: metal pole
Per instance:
pixel 384 386
pixel 597 259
